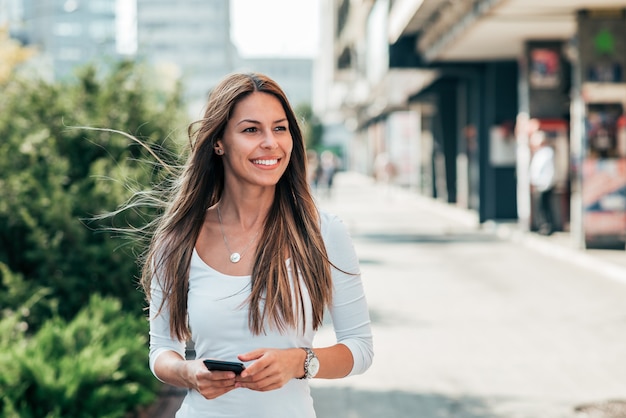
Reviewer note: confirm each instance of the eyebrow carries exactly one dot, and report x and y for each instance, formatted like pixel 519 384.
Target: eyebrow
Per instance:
pixel 257 122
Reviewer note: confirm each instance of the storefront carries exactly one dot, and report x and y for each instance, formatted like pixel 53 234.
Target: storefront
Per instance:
pixel 601 156
pixel 544 115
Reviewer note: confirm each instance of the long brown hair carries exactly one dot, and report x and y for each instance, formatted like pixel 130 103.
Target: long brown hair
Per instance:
pixel 292 226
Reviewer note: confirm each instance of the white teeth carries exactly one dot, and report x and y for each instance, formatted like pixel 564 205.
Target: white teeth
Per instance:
pixel 265 162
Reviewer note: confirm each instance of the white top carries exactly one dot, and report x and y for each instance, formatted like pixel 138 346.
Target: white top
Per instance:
pixel 542 171
pixel 219 327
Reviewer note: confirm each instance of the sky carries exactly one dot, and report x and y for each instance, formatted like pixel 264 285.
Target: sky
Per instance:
pixel 275 28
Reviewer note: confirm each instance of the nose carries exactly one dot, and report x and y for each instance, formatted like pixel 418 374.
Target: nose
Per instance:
pixel 269 141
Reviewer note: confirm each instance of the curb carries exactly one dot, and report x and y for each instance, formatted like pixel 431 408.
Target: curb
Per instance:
pixel 580 258
pixel 506 231
pixel 542 245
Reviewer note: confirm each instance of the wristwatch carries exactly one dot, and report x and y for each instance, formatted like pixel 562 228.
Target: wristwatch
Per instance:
pixel 311 364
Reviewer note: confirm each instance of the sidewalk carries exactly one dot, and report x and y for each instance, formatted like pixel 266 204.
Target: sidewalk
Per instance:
pixel 476 321
pixel 610 263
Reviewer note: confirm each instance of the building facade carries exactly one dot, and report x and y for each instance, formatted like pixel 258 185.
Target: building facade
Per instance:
pixel 294 75
pixel 455 91
pixel 67 33
pixel 190 39
pixel 187 40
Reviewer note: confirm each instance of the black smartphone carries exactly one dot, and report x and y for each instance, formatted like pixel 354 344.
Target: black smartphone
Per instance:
pixel 225 366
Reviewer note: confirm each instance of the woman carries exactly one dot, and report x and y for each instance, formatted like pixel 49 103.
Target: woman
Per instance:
pixel 221 267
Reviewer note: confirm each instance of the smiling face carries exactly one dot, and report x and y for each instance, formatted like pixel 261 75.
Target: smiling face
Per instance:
pixel 257 142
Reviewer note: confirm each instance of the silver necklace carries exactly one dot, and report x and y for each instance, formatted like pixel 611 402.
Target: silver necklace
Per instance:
pixel 234 256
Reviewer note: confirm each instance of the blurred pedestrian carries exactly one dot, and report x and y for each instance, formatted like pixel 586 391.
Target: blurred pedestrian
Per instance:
pixel 385 171
pixel 326 171
pixel 312 168
pixel 542 180
pixel 244 264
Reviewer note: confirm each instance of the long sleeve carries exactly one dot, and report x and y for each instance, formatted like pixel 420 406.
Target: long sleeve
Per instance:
pixel 160 338
pixel 349 309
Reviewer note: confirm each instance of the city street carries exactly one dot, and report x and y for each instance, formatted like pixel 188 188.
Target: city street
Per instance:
pixel 513 108
pixel 469 325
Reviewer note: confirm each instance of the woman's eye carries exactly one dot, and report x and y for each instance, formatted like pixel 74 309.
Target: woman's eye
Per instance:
pixel 250 129
pixel 280 128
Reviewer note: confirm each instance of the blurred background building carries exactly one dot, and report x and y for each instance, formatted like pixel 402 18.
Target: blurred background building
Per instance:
pixel 186 40
pixel 189 38
pixel 452 92
pixel 292 74
pixel 67 33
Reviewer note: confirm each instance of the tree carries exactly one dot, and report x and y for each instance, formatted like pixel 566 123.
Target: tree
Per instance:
pixel 12 54
pixel 55 176
pixel 312 128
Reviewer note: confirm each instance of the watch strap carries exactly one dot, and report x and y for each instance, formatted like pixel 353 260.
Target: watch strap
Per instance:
pixel 307 361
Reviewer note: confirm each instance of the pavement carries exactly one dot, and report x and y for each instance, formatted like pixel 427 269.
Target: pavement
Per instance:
pixel 476 320
pixel 610 263
pixel 475 346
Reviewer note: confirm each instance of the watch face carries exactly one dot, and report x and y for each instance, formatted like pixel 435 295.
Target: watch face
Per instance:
pixel 314 366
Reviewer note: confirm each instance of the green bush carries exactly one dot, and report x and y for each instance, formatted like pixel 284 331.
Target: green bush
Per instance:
pixel 93 366
pixel 55 176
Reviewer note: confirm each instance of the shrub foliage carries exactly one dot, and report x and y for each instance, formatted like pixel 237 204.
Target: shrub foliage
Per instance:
pixel 72 326
pixel 55 176
pixel 91 366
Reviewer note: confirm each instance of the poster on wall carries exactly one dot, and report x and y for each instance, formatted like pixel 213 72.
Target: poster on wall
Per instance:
pixel 601 125
pixel 602 45
pixel 502 146
pixel 544 68
pixel 402 141
pixel 604 199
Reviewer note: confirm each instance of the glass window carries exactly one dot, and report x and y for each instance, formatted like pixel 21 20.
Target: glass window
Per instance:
pixel 102 30
pixel 67 29
pixel 69 54
pixel 102 6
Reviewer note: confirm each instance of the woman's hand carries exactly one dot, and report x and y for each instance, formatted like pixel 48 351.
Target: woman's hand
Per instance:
pixel 209 384
pixel 271 369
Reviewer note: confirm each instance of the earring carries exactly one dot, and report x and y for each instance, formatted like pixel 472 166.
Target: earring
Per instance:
pixel 219 151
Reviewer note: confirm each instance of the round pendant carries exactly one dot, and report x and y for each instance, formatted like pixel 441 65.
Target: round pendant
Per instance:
pixel 235 257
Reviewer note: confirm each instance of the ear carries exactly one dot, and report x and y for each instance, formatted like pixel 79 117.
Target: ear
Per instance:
pixel 219 150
